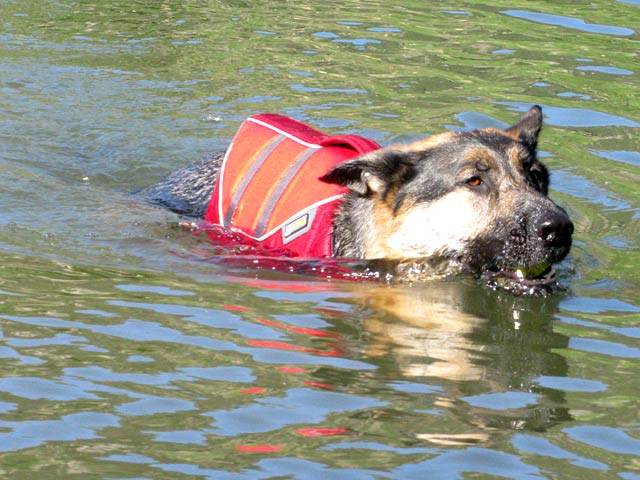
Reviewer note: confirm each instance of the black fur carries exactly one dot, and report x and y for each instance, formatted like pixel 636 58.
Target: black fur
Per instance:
pixel 187 191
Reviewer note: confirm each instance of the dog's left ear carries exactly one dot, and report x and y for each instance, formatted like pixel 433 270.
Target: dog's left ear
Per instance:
pixel 528 128
pixel 374 173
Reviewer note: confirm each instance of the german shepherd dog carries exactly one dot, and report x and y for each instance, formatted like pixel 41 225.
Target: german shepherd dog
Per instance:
pixel 477 200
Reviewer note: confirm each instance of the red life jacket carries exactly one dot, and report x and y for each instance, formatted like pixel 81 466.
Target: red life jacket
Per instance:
pixel 268 187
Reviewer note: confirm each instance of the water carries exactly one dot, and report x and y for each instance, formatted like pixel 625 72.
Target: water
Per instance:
pixel 129 349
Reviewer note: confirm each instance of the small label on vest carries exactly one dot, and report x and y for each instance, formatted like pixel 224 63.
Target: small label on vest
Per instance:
pixel 298 226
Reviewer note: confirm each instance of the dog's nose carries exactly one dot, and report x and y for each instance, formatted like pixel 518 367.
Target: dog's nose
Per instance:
pixel 555 229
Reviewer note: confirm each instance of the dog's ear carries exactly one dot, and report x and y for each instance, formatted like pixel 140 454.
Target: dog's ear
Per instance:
pixel 374 173
pixel 528 128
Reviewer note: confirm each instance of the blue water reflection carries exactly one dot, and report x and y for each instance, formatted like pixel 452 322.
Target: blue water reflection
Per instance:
pixel 610 439
pixel 569 22
pixel 623 156
pixel 570 384
pixel 586 190
pixel 299 406
pixel 455 463
pixel 543 447
pixel 604 347
pixel 195 437
pixel 152 405
pixel 576 117
pixel 164 379
pixel 43 388
pixel 502 400
pixel 273 468
pixel 604 69
pixel 6 352
pixel 77 426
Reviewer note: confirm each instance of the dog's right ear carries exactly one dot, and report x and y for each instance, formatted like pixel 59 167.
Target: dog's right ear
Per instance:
pixel 528 128
pixel 374 173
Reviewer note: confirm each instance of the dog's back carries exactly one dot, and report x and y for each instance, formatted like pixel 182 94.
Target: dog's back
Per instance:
pixel 187 191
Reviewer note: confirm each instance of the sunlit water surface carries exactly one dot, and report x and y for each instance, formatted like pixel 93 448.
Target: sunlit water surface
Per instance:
pixel 130 349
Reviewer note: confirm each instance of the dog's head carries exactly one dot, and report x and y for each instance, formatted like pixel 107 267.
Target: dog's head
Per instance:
pixel 477 199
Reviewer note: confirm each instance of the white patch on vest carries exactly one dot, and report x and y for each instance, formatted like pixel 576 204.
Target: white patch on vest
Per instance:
pixel 440 227
pixel 298 226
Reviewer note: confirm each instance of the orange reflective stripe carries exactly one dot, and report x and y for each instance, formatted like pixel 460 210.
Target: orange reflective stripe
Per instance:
pixel 235 171
pixel 275 196
pixel 304 188
pixel 251 167
pixel 263 183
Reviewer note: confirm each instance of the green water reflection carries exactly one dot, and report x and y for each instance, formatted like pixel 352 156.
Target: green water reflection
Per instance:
pixel 128 353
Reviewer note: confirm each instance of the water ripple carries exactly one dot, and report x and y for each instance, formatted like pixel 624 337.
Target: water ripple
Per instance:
pixel 611 439
pixel 569 22
pixel 180 436
pixel 586 190
pixel 453 464
pixel 570 384
pixel 541 446
pixel 576 117
pixel 77 426
pixel 604 69
pixel 301 405
pixel 152 405
pixel 141 331
pixel 604 347
pixel 622 156
pixel 43 388
pixel 598 305
pixel 502 400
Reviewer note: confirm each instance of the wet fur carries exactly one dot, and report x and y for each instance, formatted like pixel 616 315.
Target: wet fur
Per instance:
pixel 476 199
pixel 188 190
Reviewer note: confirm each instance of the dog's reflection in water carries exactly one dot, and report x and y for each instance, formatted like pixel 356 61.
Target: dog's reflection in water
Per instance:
pixel 425 328
pixel 465 338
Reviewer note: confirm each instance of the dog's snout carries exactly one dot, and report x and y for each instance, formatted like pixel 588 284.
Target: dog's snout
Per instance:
pixel 555 229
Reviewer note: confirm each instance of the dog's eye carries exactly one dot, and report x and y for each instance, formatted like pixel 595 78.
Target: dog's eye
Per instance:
pixel 474 182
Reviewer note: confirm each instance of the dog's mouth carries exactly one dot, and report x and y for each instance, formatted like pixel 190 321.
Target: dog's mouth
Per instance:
pixel 539 279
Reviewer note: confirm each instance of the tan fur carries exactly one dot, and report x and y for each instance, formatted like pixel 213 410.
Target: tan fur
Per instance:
pixel 375 245
pixel 513 133
pixel 480 156
pixel 515 155
pixel 429 229
pixel 427 143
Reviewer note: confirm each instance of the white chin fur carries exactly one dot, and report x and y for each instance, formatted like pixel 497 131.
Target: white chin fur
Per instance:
pixel 437 228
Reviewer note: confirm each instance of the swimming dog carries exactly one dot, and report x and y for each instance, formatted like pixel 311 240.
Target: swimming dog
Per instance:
pixel 477 200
